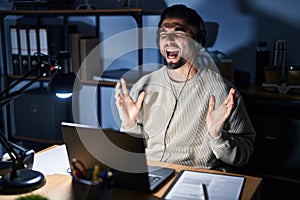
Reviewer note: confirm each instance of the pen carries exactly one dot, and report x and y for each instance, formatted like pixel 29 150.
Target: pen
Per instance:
pixel 96 172
pixel 78 169
pixel 202 192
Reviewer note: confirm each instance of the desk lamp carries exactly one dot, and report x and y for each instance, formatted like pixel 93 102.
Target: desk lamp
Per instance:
pixel 22 179
pixel 63 84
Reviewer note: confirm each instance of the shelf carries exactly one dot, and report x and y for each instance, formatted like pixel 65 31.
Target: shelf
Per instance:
pixel 258 91
pixel 64 17
pixel 87 82
pixel 28 78
pixel 101 83
pixel 31 139
pixel 98 12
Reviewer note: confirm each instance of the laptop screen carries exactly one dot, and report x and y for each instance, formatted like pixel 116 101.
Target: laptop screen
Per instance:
pixel 121 151
pixel 108 148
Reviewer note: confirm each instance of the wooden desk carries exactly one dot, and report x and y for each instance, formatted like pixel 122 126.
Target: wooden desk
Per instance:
pixel 251 188
pixel 59 187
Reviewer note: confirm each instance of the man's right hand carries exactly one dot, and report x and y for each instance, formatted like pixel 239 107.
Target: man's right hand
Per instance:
pixel 128 109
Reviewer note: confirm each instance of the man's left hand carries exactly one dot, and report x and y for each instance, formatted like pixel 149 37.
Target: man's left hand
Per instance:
pixel 216 118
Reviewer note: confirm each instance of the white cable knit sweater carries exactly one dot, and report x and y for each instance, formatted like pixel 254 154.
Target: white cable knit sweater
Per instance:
pixel 187 141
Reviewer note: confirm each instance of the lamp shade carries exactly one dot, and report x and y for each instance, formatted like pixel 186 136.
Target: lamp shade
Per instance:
pixel 64 83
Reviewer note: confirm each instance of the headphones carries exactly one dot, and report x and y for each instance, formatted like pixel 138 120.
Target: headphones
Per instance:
pixel 199 37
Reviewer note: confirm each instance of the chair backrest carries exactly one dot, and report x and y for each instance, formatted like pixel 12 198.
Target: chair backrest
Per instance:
pixel 212 29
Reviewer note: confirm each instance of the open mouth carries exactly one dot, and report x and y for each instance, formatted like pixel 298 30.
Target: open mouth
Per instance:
pixel 171 54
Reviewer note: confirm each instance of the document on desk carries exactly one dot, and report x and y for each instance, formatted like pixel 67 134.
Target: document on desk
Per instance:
pixel 52 161
pixel 193 185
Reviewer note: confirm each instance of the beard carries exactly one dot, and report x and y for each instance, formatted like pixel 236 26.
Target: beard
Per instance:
pixel 173 66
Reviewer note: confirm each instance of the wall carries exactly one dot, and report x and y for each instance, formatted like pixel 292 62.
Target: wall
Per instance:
pixel 242 23
pixel 116 54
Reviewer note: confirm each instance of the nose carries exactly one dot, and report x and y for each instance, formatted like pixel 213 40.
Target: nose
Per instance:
pixel 170 38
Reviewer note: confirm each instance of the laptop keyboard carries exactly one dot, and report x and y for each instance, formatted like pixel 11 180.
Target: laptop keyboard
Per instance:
pixel 153 179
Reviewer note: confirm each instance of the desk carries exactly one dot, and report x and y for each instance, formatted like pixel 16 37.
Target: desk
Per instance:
pixel 251 189
pixel 59 187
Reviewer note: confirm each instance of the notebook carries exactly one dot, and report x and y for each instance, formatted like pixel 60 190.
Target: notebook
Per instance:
pixel 123 152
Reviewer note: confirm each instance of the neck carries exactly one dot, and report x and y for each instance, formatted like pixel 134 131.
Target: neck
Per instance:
pixel 184 73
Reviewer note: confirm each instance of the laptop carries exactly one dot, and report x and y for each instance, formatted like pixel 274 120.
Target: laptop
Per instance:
pixel 123 152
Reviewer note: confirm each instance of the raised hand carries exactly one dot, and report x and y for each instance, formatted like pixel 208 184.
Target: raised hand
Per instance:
pixel 127 107
pixel 216 118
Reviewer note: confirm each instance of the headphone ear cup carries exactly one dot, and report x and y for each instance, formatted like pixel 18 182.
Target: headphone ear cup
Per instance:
pixel 200 37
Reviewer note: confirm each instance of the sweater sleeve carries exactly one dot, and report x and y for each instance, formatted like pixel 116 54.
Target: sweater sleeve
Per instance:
pixel 235 145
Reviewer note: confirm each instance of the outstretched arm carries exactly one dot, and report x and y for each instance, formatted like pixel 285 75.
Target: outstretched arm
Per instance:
pixel 128 109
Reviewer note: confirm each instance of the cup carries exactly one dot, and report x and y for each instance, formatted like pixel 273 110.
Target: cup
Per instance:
pixel 273 75
pixel 293 75
pixel 86 189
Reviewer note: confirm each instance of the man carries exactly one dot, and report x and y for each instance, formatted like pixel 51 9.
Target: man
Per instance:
pixel 186 112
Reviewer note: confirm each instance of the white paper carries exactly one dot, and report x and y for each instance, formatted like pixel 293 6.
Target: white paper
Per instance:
pixel 216 186
pixel 52 161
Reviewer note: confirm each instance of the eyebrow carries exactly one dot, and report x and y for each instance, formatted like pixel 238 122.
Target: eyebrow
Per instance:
pixel 176 26
pixel 176 29
pixel 171 25
pixel 180 29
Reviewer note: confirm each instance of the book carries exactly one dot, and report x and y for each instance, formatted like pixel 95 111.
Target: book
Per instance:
pixel 33 48
pixel 202 185
pixel 24 50
pixel 14 45
pixel 89 58
pixel 74 41
pixel 75 51
pixel 43 41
